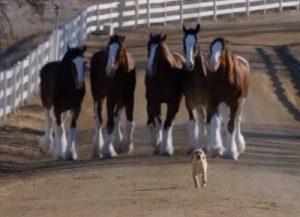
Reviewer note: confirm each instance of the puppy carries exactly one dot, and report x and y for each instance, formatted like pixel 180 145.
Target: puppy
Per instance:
pixel 199 167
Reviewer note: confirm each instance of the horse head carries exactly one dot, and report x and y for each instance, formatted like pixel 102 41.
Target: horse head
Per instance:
pixel 116 53
pixel 219 53
pixel 74 58
pixel 190 42
pixel 154 43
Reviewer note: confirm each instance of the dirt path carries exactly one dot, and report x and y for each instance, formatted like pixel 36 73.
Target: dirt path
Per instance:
pixel 264 182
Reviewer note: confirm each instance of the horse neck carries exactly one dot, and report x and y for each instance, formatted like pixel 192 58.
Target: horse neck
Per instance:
pixel 66 78
pixel 166 58
pixel 227 66
pixel 200 61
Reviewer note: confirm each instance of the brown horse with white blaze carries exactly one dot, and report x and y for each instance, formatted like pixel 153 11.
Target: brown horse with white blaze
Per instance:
pixel 164 84
pixel 229 84
pixel 62 89
pixel 113 76
pixel 195 87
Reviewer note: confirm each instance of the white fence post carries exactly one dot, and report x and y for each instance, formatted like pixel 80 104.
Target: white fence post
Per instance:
pixel 298 6
pixel 110 12
pixel 265 10
pixel 199 11
pixel 14 91
pixel 4 94
pixel 248 8
pixel 22 81
pixel 181 11
pixel 215 10
pixel 121 7
pixel 165 13
pixel 30 70
pixel 136 18
pixel 280 6
pixel 148 13
pixel 98 16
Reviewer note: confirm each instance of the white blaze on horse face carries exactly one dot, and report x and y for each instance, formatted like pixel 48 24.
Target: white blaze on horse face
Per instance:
pixel 79 63
pixel 151 58
pixel 112 52
pixel 216 51
pixel 190 41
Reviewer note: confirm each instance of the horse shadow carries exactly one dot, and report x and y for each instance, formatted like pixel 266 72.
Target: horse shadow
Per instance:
pixel 269 148
pixel 285 56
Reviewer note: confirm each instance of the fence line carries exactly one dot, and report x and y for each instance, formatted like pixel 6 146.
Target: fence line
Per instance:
pixel 21 81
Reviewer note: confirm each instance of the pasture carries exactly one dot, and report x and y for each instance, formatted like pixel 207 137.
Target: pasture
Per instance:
pixel 263 182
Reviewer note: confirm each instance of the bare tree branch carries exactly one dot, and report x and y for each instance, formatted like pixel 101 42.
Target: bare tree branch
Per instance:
pixel 38 6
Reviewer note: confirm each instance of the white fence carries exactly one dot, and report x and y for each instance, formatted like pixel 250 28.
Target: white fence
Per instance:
pixel 21 81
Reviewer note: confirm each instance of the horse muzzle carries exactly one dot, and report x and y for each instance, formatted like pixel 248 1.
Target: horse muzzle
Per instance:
pixel 79 86
pixel 111 71
pixel 189 66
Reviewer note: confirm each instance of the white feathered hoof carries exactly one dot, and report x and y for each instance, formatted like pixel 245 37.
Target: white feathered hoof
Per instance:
pixel 166 148
pixel 96 154
pixel 229 154
pixel 119 148
pixel 45 145
pixel 241 146
pixel 215 151
pixel 156 150
pixel 71 156
pixel 108 151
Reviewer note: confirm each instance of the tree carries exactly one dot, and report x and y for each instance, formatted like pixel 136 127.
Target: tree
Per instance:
pixel 37 6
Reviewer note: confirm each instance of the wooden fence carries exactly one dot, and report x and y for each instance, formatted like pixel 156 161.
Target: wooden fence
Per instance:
pixel 21 81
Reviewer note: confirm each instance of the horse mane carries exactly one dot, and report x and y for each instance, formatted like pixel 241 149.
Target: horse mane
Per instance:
pixel 169 56
pixel 200 57
pixel 129 63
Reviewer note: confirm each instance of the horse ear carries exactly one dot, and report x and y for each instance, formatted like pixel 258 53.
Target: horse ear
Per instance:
pixel 164 37
pixel 150 35
pixel 68 48
pixel 198 28
pixel 184 29
pixel 83 49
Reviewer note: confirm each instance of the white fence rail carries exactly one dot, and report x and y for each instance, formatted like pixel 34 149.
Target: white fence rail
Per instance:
pixel 21 81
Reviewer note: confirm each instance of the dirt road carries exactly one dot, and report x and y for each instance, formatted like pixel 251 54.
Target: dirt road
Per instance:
pixel 264 182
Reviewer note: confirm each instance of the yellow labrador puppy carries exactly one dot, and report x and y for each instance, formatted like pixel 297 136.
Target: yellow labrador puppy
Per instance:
pixel 199 167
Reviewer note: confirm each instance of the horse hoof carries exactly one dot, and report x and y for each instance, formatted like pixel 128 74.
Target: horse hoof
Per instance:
pixel 109 155
pixel 216 151
pixel 120 149
pixel 228 154
pixel 71 157
pixel 43 152
pixel 167 153
pixel 96 156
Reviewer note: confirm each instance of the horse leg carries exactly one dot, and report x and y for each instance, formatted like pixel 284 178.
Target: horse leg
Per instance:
pixel 216 145
pixel 46 141
pixel 193 129
pixel 108 150
pixel 117 136
pixel 154 125
pixel 231 151
pixel 71 153
pixel 241 144
pixel 129 127
pixel 98 137
pixel 167 143
pixel 60 137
